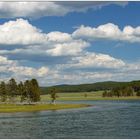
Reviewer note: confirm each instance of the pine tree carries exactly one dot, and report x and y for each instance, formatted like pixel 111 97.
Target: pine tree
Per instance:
pixel 27 88
pixel 32 90
pixel 53 92
pixel 3 92
pixel 35 90
pixel 12 89
pixel 21 91
pixel 138 93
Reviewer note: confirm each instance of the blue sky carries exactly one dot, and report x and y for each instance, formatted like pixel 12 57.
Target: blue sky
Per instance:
pixel 84 42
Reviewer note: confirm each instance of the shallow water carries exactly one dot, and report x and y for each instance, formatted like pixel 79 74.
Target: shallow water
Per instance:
pixel 105 119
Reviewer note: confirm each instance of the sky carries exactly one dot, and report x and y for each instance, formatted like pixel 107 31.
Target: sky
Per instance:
pixel 70 42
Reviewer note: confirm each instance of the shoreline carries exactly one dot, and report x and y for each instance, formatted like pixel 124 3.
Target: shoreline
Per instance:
pixel 13 108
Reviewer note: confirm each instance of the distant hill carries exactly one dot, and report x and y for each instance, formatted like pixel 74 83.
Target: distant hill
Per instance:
pixel 108 85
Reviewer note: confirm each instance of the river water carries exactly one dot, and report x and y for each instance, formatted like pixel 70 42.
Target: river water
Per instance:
pixel 105 119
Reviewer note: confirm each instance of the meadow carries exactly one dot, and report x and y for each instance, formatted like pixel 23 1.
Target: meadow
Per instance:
pixel 44 104
pixel 94 95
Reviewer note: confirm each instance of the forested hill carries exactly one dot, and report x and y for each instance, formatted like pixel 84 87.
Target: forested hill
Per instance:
pixel 91 87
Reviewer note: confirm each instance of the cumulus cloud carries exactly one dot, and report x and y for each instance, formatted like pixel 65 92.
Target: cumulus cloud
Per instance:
pixel 40 9
pixel 16 70
pixel 72 73
pixel 67 54
pixel 79 76
pixel 59 37
pixel 108 31
pixel 72 48
pixel 93 60
pixel 21 32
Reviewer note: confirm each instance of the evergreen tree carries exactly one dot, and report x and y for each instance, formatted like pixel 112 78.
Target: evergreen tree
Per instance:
pixel 129 91
pixel 85 95
pixel 32 91
pixel 138 93
pixel 35 90
pixel 3 92
pixel 12 89
pixel 21 91
pixel 53 92
pixel 104 93
pixel 27 88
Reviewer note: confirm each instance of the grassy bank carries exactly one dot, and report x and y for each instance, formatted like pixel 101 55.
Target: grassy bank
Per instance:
pixel 9 108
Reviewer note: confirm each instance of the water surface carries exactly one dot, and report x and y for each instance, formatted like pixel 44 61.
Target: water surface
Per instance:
pixel 105 119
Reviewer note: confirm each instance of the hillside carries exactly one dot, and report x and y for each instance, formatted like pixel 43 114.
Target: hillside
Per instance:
pixel 108 85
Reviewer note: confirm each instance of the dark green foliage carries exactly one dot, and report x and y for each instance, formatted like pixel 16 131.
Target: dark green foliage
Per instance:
pixel 53 92
pixel 27 94
pixel 85 95
pixel 35 90
pixel 21 91
pixel 12 89
pixel 32 91
pixel 105 93
pixel 138 93
pixel 29 90
pixel 93 87
pixel 3 92
pixel 119 91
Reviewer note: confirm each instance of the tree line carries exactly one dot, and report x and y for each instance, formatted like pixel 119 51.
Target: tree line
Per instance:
pixel 121 92
pixel 108 85
pixel 28 91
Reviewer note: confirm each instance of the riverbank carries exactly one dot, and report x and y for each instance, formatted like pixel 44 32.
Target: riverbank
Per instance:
pixel 11 108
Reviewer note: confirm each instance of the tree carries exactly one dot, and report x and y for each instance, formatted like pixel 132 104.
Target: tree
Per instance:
pixel 27 93
pixel 3 92
pixel 21 92
pixel 138 93
pixel 129 91
pixel 12 89
pixel 116 92
pixel 35 90
pixel 85 95
pixel 53 92
pixel 104 93
pixel 32 91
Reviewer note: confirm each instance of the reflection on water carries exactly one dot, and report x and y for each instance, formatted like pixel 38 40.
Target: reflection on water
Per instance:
pixel 105 119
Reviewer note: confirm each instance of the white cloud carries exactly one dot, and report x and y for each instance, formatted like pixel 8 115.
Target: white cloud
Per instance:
pixel 15 69
pixel 40 9
pixel 66 74
pixel 93 60
pixel 5 61
pixel 59 37
pixel 81 65
pixel 20 32
pixel 108 31
pixel 72 48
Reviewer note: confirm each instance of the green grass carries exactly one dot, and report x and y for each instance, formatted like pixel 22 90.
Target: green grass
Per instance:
pixel 9 108
pixel 90 96
pixel 5 108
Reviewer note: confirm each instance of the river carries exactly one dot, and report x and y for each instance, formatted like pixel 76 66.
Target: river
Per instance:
pixel 105 119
